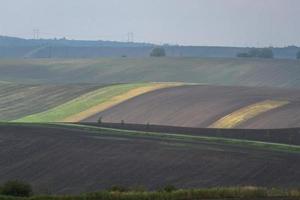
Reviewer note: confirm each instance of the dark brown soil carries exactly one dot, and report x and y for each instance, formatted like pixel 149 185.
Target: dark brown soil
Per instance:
pixel 200 106
pixel 62 160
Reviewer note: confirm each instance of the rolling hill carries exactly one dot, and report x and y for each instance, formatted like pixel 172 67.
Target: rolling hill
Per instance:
pixel 18 100
pixel 209 106
pixel 68 159
pixel 11 47
pixel 213 71
pixel 93 102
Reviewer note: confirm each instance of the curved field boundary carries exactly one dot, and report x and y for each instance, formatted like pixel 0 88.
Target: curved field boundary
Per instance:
pixel 172 136
pixel 94 102
pixel 18 100
pixel 239 116
pixel 282 136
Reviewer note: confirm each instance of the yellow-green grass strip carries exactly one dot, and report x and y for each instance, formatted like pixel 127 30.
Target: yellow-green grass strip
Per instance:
pixel 94 102
pixel 242 115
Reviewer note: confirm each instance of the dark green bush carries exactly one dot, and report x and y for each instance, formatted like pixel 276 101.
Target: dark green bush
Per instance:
pixel 158 52
pixel 16 188
pixel 118 188
pixel 257 53
pixel 168 188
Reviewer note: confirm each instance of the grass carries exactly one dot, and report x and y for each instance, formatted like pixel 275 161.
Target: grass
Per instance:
pixel 18 100
pixel 239 116
pixel 93 102
pixel 170 136
pixel 247 192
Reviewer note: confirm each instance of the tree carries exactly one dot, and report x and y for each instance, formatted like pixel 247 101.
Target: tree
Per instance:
pixel 266 53
pixel 257 53
pixel 243 55
pixel 16 188
pixel 298 55
pixel 158 52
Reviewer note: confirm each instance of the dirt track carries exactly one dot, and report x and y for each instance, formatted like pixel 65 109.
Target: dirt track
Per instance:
pixel 57 160
pixel 200 106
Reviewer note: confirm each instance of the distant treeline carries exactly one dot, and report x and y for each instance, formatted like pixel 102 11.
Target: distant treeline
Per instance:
pixel 11 47
pixel 257 53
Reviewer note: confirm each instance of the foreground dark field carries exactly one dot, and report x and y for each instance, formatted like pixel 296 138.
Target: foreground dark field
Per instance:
pixel 68 160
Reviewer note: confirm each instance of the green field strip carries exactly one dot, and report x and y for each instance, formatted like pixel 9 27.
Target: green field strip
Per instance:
pixel 181 137
pixel 85 102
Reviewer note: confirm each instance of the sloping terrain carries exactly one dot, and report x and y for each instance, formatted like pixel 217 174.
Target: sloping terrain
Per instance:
pixel 220 71
pixel 210 106
pixel 18 100
pixel 66 159
pixel 93 102
pixel 11 47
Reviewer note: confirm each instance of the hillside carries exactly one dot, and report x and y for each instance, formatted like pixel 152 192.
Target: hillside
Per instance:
pixel 214 71
pixel 11 47
pixel 69 160
pixel 210 106
pixel 18 100
pixel 93 102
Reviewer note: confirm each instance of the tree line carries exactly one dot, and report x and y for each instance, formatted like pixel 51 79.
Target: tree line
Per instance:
pixel 260 53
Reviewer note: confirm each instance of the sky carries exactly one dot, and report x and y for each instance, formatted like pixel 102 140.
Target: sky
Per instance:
pixel 183 22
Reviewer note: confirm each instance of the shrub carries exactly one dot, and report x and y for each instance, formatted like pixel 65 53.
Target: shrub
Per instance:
pixel 257 53
pixel 16 188
pixel 158 52
pixel 118 188
pixel 169 188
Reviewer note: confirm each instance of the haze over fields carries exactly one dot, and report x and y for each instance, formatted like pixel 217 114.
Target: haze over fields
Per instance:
pixel 149 100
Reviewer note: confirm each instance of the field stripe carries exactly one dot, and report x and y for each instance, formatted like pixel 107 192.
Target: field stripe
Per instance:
pixel 93 102
pixel 117 100
pixel 163 135
pixel 242 115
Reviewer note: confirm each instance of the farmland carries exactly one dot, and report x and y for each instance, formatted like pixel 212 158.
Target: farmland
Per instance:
pixel 68 159
pixel 18 100
pixel 209 106
pixel 188 122
pixel 213 71
pixel 93 102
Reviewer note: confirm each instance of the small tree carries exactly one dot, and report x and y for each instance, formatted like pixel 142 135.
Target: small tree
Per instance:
pixel 100 120
pixel 158 52
pixel 266 53
pixel 16 188
pixel 242 55
pixel 298 55
pixel 257 53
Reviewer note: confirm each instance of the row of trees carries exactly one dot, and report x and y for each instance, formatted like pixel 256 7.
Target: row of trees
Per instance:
pixel 257 53
pixel 260 53
pixel 252 53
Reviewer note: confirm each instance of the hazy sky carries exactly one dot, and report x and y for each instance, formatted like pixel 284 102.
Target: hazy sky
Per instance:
pixel 188 22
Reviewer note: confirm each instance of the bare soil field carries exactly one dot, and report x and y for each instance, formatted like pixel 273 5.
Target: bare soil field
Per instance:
pixel 281 136
pixel 202 106
pixel 64 160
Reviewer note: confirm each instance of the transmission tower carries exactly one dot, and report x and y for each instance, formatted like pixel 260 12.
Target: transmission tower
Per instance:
pixel 130 37
pixel 36 34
